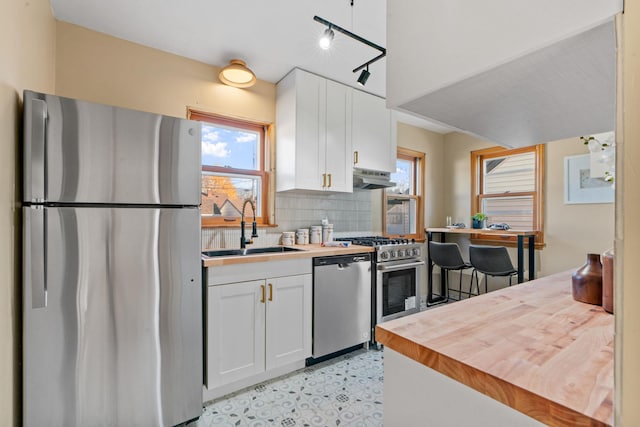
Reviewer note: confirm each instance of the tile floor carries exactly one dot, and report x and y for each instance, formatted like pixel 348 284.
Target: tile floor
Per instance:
pixel 344 391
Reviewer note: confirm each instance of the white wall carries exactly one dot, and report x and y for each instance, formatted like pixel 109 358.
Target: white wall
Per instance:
pixel 458 39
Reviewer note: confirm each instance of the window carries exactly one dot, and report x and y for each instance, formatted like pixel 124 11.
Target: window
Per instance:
pixel 233 169
pixel 507 187
pixel 402 203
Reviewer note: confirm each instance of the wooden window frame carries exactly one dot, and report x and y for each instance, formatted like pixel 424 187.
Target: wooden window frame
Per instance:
pixel 477 185
pixel 418 184
pixel 263 172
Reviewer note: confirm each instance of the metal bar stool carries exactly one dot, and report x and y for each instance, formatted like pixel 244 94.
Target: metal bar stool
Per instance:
pixel 447 256
pixel 491 261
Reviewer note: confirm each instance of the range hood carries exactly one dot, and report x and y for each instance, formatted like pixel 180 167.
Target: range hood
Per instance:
pixel 365 179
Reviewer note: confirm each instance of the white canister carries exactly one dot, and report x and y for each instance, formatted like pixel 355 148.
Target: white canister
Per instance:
pixel 300 232
pixel 327 233
pixel 315 234
pixel 288 238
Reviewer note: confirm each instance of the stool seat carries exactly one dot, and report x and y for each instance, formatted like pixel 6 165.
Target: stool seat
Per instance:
pixel 447 256
pixel 491 261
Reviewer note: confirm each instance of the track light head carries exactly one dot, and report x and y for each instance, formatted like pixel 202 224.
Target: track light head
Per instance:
pixel 364 76
pixel 327 37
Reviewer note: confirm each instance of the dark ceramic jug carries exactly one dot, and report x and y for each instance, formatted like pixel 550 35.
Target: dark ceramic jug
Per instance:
pixel 587 281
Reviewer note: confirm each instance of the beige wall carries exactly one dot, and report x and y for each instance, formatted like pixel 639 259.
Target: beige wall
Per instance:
pixel 431 144
pixel 571 231
pixel 627 289
pixel 27 49
pixel 99 68
pixel 457 176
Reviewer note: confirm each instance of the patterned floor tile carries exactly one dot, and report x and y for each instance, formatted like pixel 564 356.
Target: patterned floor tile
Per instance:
pixel 344 391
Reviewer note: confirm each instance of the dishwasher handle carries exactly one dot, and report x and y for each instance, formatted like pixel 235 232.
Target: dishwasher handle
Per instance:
pixel 341 260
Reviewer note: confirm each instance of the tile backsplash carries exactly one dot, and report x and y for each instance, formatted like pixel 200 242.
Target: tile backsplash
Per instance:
pixel 350 214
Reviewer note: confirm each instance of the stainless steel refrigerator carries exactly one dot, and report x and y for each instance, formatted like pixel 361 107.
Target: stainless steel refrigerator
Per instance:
pixel 112 297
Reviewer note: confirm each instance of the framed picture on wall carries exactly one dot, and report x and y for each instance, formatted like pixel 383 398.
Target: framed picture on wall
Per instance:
pixel 580 187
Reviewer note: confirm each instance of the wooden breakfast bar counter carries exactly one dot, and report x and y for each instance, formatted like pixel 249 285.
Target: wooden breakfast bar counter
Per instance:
pixel 519 356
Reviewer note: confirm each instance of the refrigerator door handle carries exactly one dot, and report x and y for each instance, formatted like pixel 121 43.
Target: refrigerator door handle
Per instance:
pixel 35 255
pixel 35 138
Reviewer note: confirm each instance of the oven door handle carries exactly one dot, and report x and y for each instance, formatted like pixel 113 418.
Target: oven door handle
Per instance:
pixel 382 267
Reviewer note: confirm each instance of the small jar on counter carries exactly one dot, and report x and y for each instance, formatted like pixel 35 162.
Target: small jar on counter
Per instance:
pixel 302 236
pixel 327 233
pixel 288 238
pixel 315 234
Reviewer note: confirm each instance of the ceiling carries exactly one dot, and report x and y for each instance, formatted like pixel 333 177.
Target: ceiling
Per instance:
pixel 271 36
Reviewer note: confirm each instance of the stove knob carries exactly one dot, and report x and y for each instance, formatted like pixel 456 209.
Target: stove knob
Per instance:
pixel 393 254
pixel 401 253
pixel 384 255
pixel 416 252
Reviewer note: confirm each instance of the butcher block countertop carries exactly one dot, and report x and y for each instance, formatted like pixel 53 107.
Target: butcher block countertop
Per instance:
pixel 308 251
pixel 530 346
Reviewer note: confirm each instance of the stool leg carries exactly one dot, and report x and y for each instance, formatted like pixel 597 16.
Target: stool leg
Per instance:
pixel 445 291
pixel 474 273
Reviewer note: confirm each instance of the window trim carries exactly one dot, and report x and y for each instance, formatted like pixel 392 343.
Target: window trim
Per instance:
pixel 418 184
pixel 264 173
pixel 477 157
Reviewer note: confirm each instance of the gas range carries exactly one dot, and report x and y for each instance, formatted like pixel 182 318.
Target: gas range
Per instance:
pixel 388 249
pixel 398 268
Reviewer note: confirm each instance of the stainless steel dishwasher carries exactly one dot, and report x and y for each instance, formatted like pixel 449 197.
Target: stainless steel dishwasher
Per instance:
pixel 341 302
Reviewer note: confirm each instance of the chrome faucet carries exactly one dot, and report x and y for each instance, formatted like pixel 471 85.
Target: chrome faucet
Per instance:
pixel 254 227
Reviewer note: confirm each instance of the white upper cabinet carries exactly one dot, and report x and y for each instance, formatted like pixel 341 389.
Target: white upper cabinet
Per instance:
pixel 515 73
pixel 313 134
pixel 337 161
pixel 374 133
pixel 321 125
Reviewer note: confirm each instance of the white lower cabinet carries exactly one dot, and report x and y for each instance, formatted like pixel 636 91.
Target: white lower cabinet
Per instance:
pixel 256 327
pixel 235 330
pixel 288 325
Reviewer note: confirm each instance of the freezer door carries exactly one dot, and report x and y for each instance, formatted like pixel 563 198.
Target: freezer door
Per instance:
pixel 82 152
pixel 117 339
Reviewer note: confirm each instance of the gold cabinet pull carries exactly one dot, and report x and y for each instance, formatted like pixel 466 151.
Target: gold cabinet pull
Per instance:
pixel 324 180
pixel 355 157
pixel 329 180
pixel 262 289
pixel 270 292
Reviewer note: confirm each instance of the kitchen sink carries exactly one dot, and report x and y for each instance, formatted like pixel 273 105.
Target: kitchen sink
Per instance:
pixel 250 251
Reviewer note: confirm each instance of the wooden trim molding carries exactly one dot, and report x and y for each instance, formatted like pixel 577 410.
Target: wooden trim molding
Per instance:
pixel 268 190
pixel 538 195
pixel 419 186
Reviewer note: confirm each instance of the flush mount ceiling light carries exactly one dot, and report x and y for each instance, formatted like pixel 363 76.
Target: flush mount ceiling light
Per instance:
pixel 325 43
pixel 237 74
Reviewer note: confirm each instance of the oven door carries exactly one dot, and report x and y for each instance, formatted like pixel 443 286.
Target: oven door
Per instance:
pixel 397 289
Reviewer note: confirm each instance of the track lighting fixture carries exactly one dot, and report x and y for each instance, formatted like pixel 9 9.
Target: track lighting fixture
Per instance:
pixel 327 37
pixel 364 75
